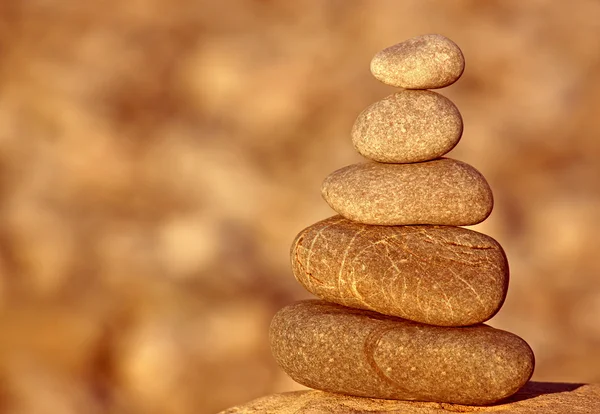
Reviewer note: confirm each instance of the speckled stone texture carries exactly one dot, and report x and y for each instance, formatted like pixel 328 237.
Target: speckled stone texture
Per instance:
pixel 361 353
pixel 423 62
pixel 533 398
pixel 408 126
pixel 444 192
pixel 439 275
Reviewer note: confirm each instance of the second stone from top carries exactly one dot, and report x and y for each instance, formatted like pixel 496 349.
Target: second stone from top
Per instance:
pixel 407 127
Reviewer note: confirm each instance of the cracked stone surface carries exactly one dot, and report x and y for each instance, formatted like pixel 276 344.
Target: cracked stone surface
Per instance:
pixel 443 192
pixel 438 275
pixel 422 62
pixel 534 397
pixel 337 349
pixel 408 126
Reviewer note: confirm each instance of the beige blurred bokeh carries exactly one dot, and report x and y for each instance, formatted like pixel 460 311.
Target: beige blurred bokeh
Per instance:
pixel 158 157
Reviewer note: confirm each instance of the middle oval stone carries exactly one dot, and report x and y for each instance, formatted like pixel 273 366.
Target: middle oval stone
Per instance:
pixel 408 126
pixel 438 275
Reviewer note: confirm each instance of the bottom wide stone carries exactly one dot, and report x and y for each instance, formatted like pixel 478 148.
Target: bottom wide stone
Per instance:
pixel 332 348
pixel 535 397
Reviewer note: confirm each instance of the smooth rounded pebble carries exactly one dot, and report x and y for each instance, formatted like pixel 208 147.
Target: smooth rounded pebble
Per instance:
pixel 349 351
pixel 533 398
pixel 444 192
pixel 408 126
pixel 439 275
pixel 423 62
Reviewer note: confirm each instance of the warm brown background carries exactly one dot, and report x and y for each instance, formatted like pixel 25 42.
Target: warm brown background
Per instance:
pixel 158 157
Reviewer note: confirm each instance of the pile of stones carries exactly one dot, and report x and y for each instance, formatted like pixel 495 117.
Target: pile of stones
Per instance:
pixel 404 290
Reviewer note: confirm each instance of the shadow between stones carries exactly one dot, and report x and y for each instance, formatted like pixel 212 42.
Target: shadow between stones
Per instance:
pixel 535 389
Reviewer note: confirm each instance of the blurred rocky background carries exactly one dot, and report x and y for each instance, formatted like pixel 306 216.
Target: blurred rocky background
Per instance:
pixel 158 157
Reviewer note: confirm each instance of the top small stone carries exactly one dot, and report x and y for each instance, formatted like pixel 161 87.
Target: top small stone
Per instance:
pixel 423 62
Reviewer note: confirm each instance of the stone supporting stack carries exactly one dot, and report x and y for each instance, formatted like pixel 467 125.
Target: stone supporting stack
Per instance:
pixel 404 290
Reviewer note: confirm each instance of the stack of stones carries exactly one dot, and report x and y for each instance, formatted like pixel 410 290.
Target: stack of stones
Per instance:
pixel 404 290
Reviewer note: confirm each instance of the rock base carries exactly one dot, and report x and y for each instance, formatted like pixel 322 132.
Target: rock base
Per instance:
pixel 535 397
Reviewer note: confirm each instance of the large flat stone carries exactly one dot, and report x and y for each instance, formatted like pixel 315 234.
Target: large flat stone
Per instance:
pixel 535 397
